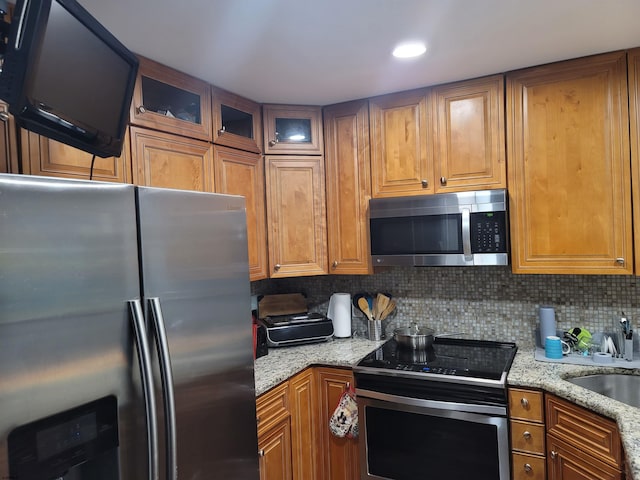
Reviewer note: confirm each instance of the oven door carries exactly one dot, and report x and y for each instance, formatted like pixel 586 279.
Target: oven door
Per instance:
pixel 403 438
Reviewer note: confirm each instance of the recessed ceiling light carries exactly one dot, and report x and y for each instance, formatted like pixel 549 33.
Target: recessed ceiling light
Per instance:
pixel 409 50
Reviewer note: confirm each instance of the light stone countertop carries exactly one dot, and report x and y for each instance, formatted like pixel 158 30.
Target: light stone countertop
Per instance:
pixel 284 362
pixel 527 372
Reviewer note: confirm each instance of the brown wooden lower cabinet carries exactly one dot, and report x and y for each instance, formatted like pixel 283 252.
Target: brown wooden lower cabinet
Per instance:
pixel 9 141
pixel 274 449
pixel 581 445
pixel 340 454
pixel 294 441
pixel 527 467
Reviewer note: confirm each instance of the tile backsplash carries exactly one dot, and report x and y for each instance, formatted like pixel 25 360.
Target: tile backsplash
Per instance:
pixel 487 303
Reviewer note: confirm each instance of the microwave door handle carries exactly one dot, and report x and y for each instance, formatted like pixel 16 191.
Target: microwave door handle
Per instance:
pixel 166 374
pixel 146 374
pixel 466 234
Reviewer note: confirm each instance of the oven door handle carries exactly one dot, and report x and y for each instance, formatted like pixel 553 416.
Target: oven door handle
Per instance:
pixel 433 404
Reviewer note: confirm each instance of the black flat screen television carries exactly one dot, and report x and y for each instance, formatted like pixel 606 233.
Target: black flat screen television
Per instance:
pixel 66 77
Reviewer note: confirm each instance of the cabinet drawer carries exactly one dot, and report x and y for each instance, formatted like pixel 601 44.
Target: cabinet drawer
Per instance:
pixel 528 467
pixel 588 431
pixel 527 437
pixel 272 407
pixel 526 405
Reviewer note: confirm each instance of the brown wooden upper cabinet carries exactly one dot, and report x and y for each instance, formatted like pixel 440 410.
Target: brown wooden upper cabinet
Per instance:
pixel 171 161
pixel 46 157
pixel 9 139
pixel 171 101
pixel 633 60
pixel 401 156
pixel 242 173
pixel 469 135
pixel 292 129
pixel 296 215
pixel 237 121
pixel 569 168
pixel 348 180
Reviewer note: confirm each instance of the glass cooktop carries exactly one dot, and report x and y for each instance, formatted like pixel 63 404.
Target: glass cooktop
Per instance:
pixel 448 356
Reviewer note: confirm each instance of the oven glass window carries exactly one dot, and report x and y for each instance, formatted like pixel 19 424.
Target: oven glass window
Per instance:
pixel 403 445
pixel 427 234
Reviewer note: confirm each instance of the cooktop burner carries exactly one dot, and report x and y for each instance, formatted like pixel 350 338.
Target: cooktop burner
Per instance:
pixel 472 359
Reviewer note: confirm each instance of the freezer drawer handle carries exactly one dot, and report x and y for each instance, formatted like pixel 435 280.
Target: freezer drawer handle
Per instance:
pixel 167 386
pixel 146 373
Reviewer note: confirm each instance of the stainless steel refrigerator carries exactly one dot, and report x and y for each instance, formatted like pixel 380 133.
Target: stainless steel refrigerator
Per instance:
pixel 126 348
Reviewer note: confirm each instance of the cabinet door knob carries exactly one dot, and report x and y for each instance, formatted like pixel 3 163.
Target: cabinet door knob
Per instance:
pixel 261 452
pixel 222 130
pixel 141 109
pixel 277 267
pixel 554 454
pixel 527 467
pixel 620 261
pixel 443 181
pixel 272 143
pixel 424 183
pixel 526 434
pixel 4 116
pixel 335 264
pixel 524 402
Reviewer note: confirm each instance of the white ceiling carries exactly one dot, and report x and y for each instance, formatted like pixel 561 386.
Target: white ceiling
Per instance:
pixel 320 52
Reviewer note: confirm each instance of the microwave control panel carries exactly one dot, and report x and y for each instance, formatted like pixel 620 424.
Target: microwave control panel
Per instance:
pixel 488 232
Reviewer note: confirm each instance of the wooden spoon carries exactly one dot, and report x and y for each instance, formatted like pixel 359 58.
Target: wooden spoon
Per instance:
pixel 382 301
pixel 391 306
pixel 364 307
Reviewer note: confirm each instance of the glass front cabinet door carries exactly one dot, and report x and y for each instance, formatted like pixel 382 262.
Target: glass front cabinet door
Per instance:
pixel 236 121
pixel 171 101
pixel 292 129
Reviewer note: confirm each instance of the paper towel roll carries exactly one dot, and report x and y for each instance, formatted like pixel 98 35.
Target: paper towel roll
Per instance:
pixel 340 314
pixel 547 317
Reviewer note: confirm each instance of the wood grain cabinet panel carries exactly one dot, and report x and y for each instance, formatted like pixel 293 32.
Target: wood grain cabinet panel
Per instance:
pixel 168 100
pixel 526 404
pixel 306 451
pixel 242 173
pixel 568 463
pixel 401 157
pixel 469 135
pixel 341 459
pixel 237 121
pixel 569 168
pixel 274 450
pixel 49 158
pixel 292 130
pixel 633 61
pixel 528 467
pixel 9 162
pixel 346 131
pixel 296 215
pixel 171 161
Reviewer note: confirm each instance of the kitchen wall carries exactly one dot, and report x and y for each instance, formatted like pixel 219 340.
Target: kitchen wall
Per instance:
pixel 485 302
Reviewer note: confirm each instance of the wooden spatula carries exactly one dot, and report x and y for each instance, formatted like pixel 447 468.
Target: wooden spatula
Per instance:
pixel 364 307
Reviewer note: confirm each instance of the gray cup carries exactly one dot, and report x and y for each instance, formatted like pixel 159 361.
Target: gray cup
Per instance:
pixel 547 316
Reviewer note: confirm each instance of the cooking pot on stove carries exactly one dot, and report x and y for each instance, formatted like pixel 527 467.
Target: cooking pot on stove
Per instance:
pixel 416 337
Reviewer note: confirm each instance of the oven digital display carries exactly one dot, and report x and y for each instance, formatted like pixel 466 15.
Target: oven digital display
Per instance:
pixel 54 440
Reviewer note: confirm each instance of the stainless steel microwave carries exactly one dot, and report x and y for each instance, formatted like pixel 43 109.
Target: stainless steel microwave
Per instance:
pixel 447 229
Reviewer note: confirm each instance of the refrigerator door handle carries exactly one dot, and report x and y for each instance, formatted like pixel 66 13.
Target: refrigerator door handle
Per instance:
pixel 146 373
pixel 167 386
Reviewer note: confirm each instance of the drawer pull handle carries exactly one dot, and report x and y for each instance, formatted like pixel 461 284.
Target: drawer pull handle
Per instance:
pixel 554 454
pixel 524 402
pixel 526 434
pixel 527 467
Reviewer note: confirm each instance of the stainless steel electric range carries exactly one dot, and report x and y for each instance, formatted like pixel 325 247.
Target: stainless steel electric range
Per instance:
pixel 435 413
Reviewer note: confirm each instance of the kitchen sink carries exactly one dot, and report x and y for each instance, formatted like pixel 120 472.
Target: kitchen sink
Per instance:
pixel 623 388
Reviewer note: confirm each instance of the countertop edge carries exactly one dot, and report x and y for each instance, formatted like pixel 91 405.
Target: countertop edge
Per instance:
pixel 550 377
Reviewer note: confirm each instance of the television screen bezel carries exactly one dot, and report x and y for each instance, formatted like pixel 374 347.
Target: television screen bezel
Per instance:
pixel 18 66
